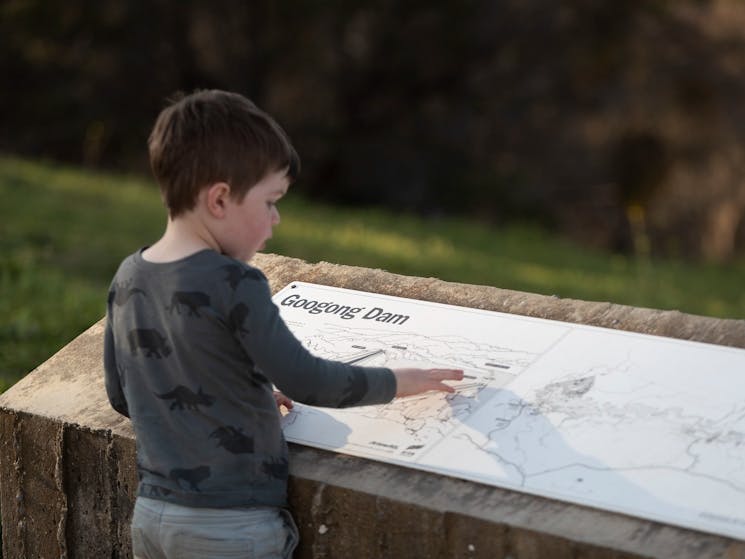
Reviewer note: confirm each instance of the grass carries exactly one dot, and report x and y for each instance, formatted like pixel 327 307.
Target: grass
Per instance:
pixel 63 232
pixel 516 257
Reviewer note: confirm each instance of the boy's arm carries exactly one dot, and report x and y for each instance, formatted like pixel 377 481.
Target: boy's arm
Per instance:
pixel 279 355
pixel 111 373
pixel 408 383
pixel 312 380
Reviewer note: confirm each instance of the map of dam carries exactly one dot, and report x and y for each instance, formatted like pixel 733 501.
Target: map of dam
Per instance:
pixel 642 425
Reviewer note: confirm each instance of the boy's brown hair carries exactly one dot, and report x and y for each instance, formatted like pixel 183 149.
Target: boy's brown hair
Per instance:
pixel 214 136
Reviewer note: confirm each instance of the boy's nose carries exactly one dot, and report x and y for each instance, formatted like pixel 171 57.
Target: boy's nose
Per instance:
pixel 275 217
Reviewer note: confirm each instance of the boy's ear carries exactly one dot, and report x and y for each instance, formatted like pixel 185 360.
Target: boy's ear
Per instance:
pixel 216 197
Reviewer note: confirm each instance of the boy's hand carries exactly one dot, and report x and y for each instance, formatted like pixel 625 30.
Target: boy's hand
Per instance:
pixel 416 381
pixel 282 400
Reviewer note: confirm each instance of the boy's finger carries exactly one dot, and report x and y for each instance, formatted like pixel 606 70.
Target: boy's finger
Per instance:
pixel 445 387
pixel 447 374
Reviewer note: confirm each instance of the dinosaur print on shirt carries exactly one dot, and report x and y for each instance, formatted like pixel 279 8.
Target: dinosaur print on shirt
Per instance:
pixel 233 440
pixel 152 341
pixel 185 398
pixel 235 274
pixel 190 477
pixel 237 318
pixel 154 491
pixel 121 293
pixel 192 300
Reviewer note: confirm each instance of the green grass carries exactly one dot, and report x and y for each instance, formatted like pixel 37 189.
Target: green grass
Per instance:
pixel 515 257
pixel 63 232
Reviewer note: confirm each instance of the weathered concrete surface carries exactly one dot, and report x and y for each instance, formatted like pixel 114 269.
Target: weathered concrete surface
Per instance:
pixel 67 476
pixel 673 324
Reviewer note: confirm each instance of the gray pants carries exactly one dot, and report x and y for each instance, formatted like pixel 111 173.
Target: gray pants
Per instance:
pixel 163 530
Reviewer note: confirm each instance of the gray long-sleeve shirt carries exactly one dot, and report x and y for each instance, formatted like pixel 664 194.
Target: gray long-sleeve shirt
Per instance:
pixel 191 350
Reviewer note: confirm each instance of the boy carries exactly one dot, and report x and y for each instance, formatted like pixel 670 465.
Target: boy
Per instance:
pixel 193 342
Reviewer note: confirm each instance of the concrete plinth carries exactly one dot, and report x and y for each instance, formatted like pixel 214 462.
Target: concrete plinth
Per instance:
pixel 67 477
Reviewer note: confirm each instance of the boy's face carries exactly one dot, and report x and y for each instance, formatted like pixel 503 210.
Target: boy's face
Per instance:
pixel 248 222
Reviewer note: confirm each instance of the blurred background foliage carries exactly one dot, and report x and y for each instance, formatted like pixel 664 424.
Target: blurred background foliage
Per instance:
pixel 579 148
pixel 618 124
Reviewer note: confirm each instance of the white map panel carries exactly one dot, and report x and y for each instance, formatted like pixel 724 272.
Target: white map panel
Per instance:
pixel 638 424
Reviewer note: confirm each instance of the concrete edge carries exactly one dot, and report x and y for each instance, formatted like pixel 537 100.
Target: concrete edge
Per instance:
pixel 343 505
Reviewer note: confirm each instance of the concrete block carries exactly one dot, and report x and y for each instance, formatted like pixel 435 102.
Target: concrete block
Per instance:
pixel 67 460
